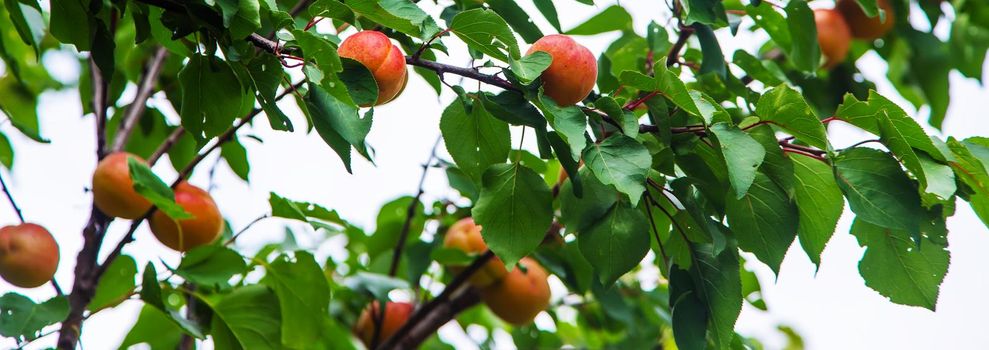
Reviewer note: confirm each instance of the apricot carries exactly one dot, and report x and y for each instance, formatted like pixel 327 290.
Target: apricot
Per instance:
pixel 571 76
pixel 385 61
pixel 833 36
pixel 396 313
pixel 28 255
pixel 113 189
pixel 465 235
pixel 520 296
pixel 182 235
pixel 863 26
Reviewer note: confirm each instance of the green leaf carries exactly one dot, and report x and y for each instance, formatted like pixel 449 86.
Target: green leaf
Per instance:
pixel 743 155
pixel 234 153
pixel 877 189
pixel 242 17
pixel 485 31
pixel 401 15
pixel 149 186
pixel 786 107
pixel 580 213
pixel 154 328
pixel 338 123
pixel 390 222
pixel 757 69
pixel 713 60
pixel 286 208
pixel 376 284
pixel 689 312
pixel 570 123
pixel 620 161
pixel 266 74
pixel 248 318
pixel 474 138
pixel 548 10
pixel 897 268
pixel 710 12
pixel 894 139
pixel 211 94
pixel 667 82
pixel 515 207
pixel 531 66
pixel 612 18
pixel 819 204
pixel 616 243
pixel 516 17
pixel 303 297
pixel 359 81
pixel 211 265
pixel 973 173
pixel 866 114
pixel 151 295
pixel 29 22
pixel 717 276
pixel 6 152
pixel 71 23
pixel 20 106
pixel 805 54
pixel 21 317
pixel 116 284
pixel 766 17
pixel 513 108
pixel 764 221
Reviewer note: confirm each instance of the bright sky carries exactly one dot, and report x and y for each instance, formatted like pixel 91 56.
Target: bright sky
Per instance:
pixel 832 309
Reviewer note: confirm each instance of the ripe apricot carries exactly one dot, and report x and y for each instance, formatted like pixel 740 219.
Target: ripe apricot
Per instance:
pixel 466 236
pixel 833 36
pixel 28 255
pixel 396 313
pixel 573 72
pixel 182 235
pixel 385 61
pixel 863 26
pixel 113 189
pixel 520 296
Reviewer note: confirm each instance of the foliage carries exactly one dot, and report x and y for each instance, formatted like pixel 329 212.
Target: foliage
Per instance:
pixel 683 157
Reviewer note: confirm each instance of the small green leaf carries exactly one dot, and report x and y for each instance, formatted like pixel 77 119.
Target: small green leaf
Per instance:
pixel 515 208
pixel 819 203
pixel 338 123
pixel 116 284
pixel 805 52
pixel 474 139
pixel 211 94
pixel 303 297
pixel 21 317
pixel 620 161
pixel 877 189
pixel 154 328
pixel 485 31
pixel 531 66
pixel 786 107
pixel 569 122
pixel 710 12
pixel 149 186
pixel 516 17
pixel 401 15
pixel 247 318
pixel 900 270
pixel 764 221
pixel 743 155
pixel 616 243
pixel 612 18
pixel 211 265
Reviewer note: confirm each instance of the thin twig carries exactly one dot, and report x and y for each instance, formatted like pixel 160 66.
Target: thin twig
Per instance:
pixel 236 235
pixel 10 198
pixel 144 91
pixel 99 106
pixel 674 55
pixel 166 145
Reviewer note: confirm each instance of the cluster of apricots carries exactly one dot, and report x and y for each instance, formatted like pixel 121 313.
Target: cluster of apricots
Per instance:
pixel 29 254
pixel 516 296
pixel 568 79
pixel 114 195
pixel 836 27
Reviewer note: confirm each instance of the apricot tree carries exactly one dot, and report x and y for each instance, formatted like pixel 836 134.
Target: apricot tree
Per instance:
pixel 659 151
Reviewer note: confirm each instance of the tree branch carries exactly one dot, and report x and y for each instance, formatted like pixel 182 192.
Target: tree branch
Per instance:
pixel 10 198
pixel 166 145
pixel 403 337
pixel 674 55
pixel 144 91
pixel 99 107
pixel 410 213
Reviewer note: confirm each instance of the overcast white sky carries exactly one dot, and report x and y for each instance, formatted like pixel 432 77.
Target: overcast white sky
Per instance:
pixel 833 309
